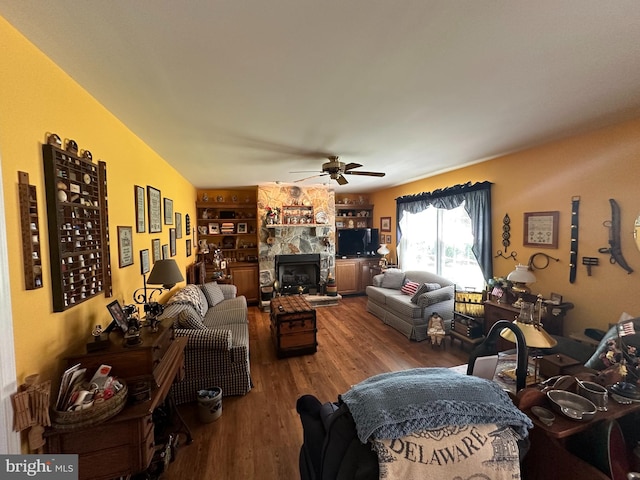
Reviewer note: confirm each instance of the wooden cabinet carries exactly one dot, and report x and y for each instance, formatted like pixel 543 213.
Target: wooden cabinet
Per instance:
pixel 227 224
pixel 76 214
pixel 125 444
pixel 354 274
pixel 245 277
pixel 347 275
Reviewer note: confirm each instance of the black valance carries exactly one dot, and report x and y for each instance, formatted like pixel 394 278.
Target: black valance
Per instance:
pixel 477 203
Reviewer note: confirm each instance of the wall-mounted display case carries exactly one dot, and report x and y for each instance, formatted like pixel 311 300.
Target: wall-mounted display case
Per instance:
pixel 77 235
pixel 30 224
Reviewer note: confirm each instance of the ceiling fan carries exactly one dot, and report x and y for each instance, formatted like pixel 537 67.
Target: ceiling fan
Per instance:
pixel 337 170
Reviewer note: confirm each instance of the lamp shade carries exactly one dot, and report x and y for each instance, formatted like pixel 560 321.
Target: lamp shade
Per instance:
pixel 165 273
pixel 522 274
pixel 534 335
pixel 383 250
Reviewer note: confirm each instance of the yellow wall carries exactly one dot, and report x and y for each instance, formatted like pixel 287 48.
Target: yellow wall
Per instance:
pixel 597 166
pixel 38 97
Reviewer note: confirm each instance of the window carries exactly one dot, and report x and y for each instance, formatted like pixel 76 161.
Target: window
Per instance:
pixel 441 241
pixel 476 200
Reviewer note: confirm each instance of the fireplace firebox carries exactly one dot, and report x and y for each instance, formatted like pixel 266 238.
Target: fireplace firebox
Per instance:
pixel 298 273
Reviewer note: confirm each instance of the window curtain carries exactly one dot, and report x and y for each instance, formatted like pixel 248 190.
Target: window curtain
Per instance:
pixel 477 203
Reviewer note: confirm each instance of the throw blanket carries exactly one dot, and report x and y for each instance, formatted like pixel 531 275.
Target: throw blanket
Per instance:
pixel 393 405
pixel 480 452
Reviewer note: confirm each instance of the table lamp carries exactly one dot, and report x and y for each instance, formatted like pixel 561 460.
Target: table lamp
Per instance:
pixel 535 335
pixel 166 273
pixel 520 277
pixel 384 251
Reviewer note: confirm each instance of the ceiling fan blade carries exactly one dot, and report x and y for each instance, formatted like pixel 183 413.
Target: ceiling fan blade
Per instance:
pixel 305 171
pixel 312 176
pixel 351 165
pixel 370 174
pixel 341 180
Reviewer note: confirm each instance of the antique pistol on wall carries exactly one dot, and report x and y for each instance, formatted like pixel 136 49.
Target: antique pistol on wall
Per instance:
pixel 614 248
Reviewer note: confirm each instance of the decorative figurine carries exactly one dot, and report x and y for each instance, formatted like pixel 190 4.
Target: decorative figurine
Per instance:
pixel 435 329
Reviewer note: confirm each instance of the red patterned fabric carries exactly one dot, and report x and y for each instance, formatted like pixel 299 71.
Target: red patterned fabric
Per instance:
pixel 410 288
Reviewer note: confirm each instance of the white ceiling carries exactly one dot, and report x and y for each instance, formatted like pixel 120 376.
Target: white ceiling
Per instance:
pixel 241 92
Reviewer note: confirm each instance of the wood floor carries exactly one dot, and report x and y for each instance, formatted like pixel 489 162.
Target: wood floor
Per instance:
pixel 259 435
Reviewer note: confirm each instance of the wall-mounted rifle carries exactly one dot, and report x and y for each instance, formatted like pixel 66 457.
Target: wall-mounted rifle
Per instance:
pixel 614 249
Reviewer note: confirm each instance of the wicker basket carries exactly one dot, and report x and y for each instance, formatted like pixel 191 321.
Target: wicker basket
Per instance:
pixel 89 417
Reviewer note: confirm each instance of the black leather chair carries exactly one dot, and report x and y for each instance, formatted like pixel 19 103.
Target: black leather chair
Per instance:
pixel 331 449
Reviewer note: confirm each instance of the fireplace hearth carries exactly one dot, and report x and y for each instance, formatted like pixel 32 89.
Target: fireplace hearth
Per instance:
pixel 298 273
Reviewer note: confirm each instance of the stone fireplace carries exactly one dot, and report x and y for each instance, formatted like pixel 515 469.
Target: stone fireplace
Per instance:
pixel 288 240
pixel 298 273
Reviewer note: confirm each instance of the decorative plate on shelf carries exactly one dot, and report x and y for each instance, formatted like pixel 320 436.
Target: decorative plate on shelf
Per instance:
pixel 295 192
pixel 321 217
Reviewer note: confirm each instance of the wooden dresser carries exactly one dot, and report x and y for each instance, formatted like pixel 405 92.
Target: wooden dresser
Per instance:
pixel 124 444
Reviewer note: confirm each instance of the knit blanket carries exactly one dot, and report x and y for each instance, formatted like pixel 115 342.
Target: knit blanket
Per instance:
pixel 393 405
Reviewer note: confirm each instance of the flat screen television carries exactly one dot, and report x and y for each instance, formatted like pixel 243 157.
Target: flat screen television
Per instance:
pixel 357 241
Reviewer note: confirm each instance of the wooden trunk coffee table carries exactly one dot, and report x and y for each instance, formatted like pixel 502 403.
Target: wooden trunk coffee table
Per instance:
pixel 293 326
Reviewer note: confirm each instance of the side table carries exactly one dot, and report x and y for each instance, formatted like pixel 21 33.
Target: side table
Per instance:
pixel 293 326
pixel 125 444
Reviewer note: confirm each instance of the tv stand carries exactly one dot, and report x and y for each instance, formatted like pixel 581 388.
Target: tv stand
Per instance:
pixel 354 274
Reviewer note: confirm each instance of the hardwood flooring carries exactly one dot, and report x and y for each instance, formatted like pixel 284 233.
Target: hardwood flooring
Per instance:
pixel 259 435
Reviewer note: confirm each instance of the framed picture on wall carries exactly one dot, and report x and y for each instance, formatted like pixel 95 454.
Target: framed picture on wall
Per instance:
pixel 541 229
pixel 178 225
pixel 387 239
pixel 144 261
pixel 139 203
pixel 385 224
pixel 172 242
pixel 125 246
pixel 155 249
pixel 188 247
pixel 165 251
pixel 154 208
pixel 168 211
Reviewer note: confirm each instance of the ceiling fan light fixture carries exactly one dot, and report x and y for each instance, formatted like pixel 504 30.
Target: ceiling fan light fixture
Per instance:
pixel 337 169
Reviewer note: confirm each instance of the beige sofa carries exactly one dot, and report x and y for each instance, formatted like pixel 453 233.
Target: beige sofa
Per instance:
pixel 215 321
pixel 407 313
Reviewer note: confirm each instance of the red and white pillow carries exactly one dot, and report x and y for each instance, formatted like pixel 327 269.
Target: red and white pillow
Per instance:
pixel 410 288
